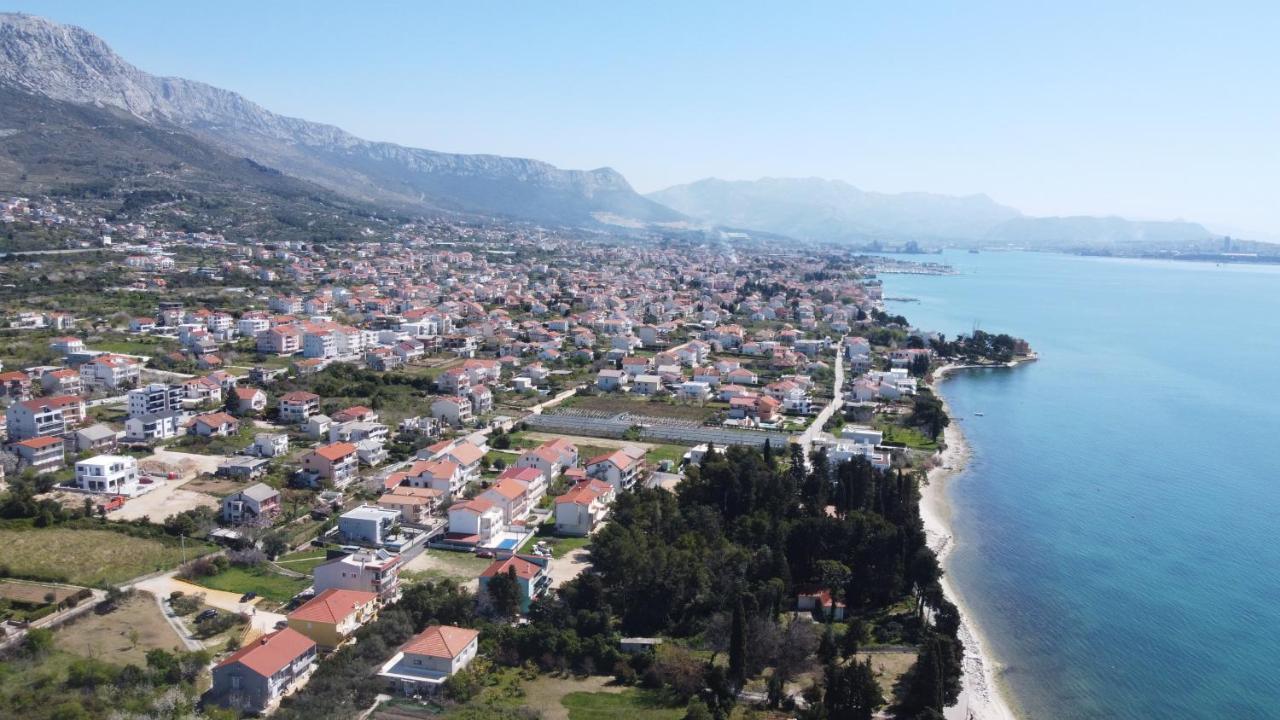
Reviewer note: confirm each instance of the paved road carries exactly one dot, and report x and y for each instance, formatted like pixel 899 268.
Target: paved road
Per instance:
pixel 837 399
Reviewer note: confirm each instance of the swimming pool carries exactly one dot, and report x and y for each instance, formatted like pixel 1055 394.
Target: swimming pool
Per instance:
pixel 507 544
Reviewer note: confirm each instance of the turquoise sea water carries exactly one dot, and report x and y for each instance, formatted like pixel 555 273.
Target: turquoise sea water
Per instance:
pixel 1118 526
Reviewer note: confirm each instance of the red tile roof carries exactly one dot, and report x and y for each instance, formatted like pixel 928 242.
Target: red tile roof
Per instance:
pixel 524 568
pixel 336 451
pixel 333 605
pixel 440 641
pixel 270 654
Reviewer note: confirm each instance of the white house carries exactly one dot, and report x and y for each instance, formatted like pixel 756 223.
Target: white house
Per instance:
pixel 429 658
pixel 112 474
pixel 475 522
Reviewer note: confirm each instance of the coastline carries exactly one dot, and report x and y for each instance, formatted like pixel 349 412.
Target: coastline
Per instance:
pixel 981 697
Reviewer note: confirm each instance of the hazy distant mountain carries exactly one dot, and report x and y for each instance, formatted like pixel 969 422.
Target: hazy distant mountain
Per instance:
pixel 67 63
pixel 1060 232
pixel 816 209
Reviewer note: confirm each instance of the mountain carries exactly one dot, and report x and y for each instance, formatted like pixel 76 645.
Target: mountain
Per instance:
pixel 1098 232
pixel 69 64
pixel 816 209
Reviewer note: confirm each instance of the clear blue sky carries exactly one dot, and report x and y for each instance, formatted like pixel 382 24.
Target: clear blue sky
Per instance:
pixel 1157 112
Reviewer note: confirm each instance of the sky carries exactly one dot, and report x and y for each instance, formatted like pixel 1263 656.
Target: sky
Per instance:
pixel 1147 110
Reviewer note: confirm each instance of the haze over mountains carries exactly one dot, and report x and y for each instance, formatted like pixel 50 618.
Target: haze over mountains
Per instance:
pixel 816 209
pixel 75 114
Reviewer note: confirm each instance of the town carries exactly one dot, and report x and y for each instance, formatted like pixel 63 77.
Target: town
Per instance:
pixel 276 441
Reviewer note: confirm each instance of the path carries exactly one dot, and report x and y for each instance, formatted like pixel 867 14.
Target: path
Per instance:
pixel 191 642
pixel 568 567
pixel 837 399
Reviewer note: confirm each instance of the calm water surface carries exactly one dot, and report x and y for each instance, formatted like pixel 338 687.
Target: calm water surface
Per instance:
pixel 1119 524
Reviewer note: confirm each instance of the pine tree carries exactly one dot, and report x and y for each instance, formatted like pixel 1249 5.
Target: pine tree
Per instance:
pixel 738 644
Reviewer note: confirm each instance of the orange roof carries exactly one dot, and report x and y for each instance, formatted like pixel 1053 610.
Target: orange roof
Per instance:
pixel 440 641
pixel 299 396
pixel 524 568
pixel 336 451
pixel 477 506
pixel 270 654
pixel 466 453
pixel 213 419
pixel 333 605
pixel 43 441
pixel 508 488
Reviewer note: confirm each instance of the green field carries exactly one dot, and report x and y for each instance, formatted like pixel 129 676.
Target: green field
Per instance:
pixel 269 585
pixel 639 704
pixel 88 557
pixel 674 453
pixel 303 561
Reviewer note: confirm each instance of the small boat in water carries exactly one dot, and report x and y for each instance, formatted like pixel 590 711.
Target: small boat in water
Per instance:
pixel 978 414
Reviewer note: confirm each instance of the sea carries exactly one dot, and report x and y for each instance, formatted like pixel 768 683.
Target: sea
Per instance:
pixel 1118 525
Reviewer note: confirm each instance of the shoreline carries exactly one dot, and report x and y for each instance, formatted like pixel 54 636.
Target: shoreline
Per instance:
pixel 981 696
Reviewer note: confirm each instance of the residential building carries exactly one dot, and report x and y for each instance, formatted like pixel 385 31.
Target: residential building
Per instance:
pixel 109 371
pixel 218 424
pixel 111 474
pixel 98 438
pixel 55 415
pixel 375 571
pixel 151 428
pixel 415 505
pixel 429 658
pixel 297 406
pixel 474 522
pixel 61 382
pixel 336 461
pixel 456 411
pixel 333 616
pixel 155 398
pixel 253 678
pixel 511 496
pixel 620 468
pixel 581 510
pixel 41 454
pixel 270 445
pixel 258 504
pixel 249 400
pixel 368 524
pixel 531 574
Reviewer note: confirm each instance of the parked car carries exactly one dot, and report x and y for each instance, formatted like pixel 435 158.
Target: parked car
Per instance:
pixel 248 596
pixel 207 615
pixel 484 553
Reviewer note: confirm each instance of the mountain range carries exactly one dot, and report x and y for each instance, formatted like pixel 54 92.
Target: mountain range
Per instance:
pixel 68 64
pixel 817 209
pixel 75 116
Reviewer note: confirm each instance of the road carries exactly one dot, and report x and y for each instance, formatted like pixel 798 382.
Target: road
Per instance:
pixel 163 585
pixel 837 399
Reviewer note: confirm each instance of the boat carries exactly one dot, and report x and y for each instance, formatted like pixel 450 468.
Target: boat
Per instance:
pixel 978 414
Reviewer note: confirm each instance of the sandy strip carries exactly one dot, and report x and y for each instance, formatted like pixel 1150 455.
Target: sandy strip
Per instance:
pixel 980 696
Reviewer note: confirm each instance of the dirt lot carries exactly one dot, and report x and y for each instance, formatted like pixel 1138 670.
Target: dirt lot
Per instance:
pixel 34 593
pixel 547 693
pixel 463 567
pixel 123 636
pixel 187 465
pixel 170 498
pixel 889 666
pixel 215 486
pixel 568 567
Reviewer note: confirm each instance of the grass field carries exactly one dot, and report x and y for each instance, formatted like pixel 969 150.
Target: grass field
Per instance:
pixel 631 703
pixel 122 636
pixel 132 347
pixel 303 561
pixel 617 403
pixel 269 585
pixel 88 557
pixel 674 453
pixel 910 437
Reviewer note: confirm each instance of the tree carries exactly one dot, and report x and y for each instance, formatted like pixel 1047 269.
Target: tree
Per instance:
pixel 851 692
pixel 274 544
pixel 738 644
pixel 504 593
pixel 697 710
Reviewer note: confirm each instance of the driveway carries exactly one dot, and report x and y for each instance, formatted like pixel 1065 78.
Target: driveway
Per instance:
pixel 260 620
pixel 566 568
